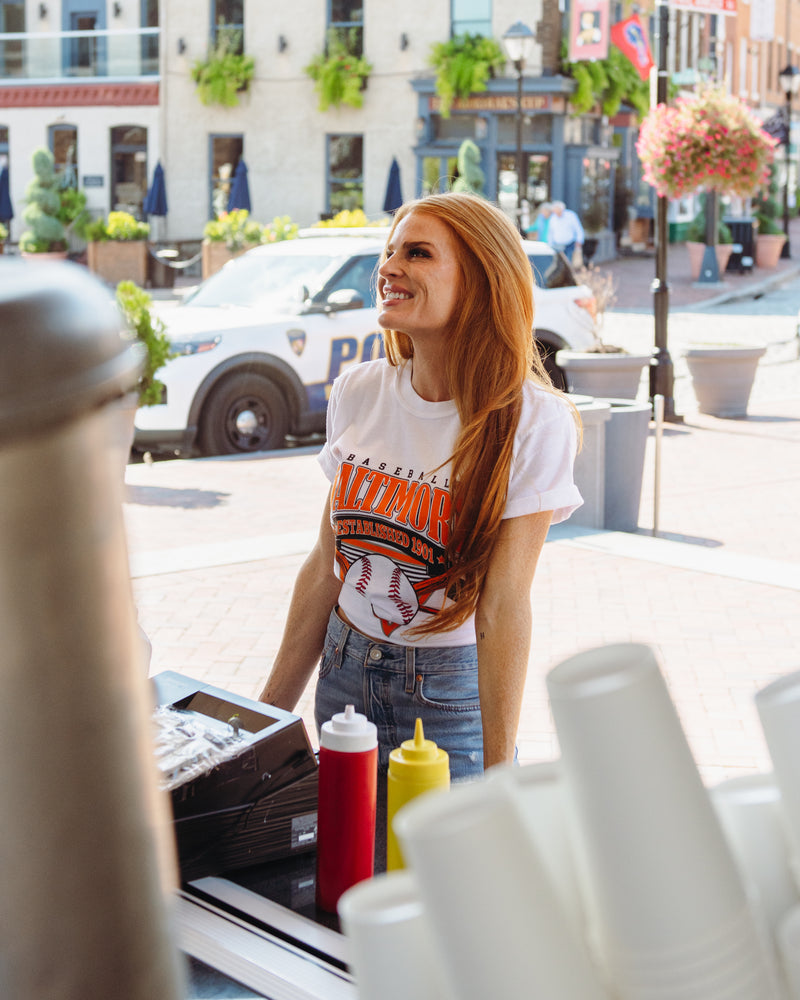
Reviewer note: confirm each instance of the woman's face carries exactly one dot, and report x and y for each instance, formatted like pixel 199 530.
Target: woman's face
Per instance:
pixel 420 282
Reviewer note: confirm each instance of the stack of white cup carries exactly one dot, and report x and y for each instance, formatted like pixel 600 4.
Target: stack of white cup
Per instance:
pixel 675 922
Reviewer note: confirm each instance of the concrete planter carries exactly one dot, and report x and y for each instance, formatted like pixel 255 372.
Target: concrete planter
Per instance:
pixel 768 249
pixel 604 376
pixel 722 378
pixel 118 260
pixel 697 251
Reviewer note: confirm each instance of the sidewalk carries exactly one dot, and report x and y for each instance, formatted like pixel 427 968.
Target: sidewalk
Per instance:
pixel 215 545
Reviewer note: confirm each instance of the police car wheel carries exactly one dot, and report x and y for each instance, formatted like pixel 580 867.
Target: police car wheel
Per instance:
pixel 245 413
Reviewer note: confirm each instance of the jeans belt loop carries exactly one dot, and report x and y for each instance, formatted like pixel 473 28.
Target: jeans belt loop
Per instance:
pixel 411 679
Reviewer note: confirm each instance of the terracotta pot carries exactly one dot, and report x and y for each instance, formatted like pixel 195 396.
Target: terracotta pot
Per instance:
pixel 768 249
pixel 722 377
pixel 49 255
pixel 604 376
pixel 118 260
pixel 697 251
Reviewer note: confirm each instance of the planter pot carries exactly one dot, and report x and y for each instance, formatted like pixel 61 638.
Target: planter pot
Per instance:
pixel 768 249
pixel 722 378
pixel 697 251
pixel 604 376
pixel 119 260
pixel 50 255
pixel 216 255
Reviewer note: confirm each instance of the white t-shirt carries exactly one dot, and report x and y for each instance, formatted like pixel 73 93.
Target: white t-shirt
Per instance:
pixel 387 456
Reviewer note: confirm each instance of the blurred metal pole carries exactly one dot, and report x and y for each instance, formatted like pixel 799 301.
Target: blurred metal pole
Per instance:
pixel 661 369
pixel 658 408
pixel 86 863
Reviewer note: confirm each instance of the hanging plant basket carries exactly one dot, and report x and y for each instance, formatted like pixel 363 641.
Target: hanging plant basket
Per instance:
pixel 340 76
pixel 709 141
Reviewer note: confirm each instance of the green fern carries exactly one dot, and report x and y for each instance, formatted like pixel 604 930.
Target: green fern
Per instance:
pixel 463 66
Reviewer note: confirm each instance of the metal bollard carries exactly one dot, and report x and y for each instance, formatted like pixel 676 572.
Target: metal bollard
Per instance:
pixel 86 857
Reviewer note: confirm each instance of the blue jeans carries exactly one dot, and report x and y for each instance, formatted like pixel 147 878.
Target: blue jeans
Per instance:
pixel 394 685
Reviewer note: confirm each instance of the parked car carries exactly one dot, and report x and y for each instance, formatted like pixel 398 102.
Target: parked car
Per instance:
pixel 260 342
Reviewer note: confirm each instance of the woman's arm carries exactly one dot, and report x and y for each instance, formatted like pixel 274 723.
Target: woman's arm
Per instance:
pixel 503 631
pixel 315 593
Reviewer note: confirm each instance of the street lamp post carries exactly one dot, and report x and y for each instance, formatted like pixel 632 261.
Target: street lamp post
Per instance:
pixel 518 42
pixel 790 84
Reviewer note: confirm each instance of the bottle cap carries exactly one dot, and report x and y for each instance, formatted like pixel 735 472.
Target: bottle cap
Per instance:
pixel 349 732
pixel 419 758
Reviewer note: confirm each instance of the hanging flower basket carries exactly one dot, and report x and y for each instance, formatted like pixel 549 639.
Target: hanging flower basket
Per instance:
pixel 710 141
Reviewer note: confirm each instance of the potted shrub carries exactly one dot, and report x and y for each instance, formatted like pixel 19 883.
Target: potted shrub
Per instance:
pixel 696 244
pixel 117 248
pixel 226 237
pixel 339 73
pixel 463 65
pixel 770 236
pixel 134 304
pixel 604 371
pixel 225 72
pixel 45 237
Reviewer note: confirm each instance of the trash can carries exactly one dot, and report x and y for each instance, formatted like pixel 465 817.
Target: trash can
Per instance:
pixel 626 442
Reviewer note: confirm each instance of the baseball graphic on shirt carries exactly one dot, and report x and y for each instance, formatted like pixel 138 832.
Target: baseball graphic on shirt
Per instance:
pixel 385 586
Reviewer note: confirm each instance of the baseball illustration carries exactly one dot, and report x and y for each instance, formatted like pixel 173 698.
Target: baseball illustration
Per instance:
pixel 388 590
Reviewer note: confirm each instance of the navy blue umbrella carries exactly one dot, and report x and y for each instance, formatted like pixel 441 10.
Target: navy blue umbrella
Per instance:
pixel 394 196
pixel 240 189
pixel 155 201
pixel 6 209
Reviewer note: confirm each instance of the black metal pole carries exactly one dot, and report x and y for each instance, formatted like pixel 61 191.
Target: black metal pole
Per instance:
pixel 662 377
pixel 786 251
pixel 518 65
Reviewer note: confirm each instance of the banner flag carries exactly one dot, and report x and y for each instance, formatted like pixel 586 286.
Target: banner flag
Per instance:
pixel 630 37
pixel 588 35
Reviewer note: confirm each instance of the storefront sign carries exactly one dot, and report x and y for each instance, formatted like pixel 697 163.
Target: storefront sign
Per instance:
pixel 501 102
pixel 93 180
pixel 588 32
pixel 706 6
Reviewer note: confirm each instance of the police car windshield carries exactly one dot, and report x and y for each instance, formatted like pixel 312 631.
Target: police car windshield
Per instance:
pixel 258 280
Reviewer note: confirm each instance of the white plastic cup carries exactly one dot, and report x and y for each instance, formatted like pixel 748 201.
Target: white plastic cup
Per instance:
pixel 789 949
pixel 778 706
pixel 500 926
pixel 752 817
pixel 661 868
pixel 539 791
pixel 393 952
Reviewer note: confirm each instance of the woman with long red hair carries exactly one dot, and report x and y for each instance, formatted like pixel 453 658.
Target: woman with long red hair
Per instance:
pixel 449 459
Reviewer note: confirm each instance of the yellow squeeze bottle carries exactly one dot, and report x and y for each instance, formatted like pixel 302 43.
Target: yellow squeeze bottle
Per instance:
pixel 416 766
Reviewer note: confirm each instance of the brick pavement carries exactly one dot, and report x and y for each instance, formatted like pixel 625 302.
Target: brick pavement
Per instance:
pixel 215 545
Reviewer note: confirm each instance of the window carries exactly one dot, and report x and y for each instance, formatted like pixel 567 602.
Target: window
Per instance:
pixel 228 23
pixel 471 17
pixel 361 276
pixel 63 143
pixel 12 20
pixel 345 172
pixel 226 151
pixel 438 173
pixel 346 18
pixel 128 168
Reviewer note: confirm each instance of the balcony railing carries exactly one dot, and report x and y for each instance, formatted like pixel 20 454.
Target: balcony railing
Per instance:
pixel 64 56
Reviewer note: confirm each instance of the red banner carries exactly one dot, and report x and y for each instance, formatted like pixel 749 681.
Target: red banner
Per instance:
pixel 588 36
pixel 630 37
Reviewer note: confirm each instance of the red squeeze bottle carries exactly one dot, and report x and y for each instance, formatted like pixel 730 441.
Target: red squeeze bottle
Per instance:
pixel 348 791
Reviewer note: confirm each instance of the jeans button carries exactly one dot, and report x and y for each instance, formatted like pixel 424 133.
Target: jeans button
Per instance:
pixel 375 654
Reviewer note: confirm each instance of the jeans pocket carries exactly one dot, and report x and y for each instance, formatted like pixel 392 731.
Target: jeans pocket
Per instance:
pixel 327 659
pixel 450 690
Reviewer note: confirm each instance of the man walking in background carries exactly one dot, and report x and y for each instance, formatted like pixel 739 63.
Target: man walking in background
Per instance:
pixel 564 231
